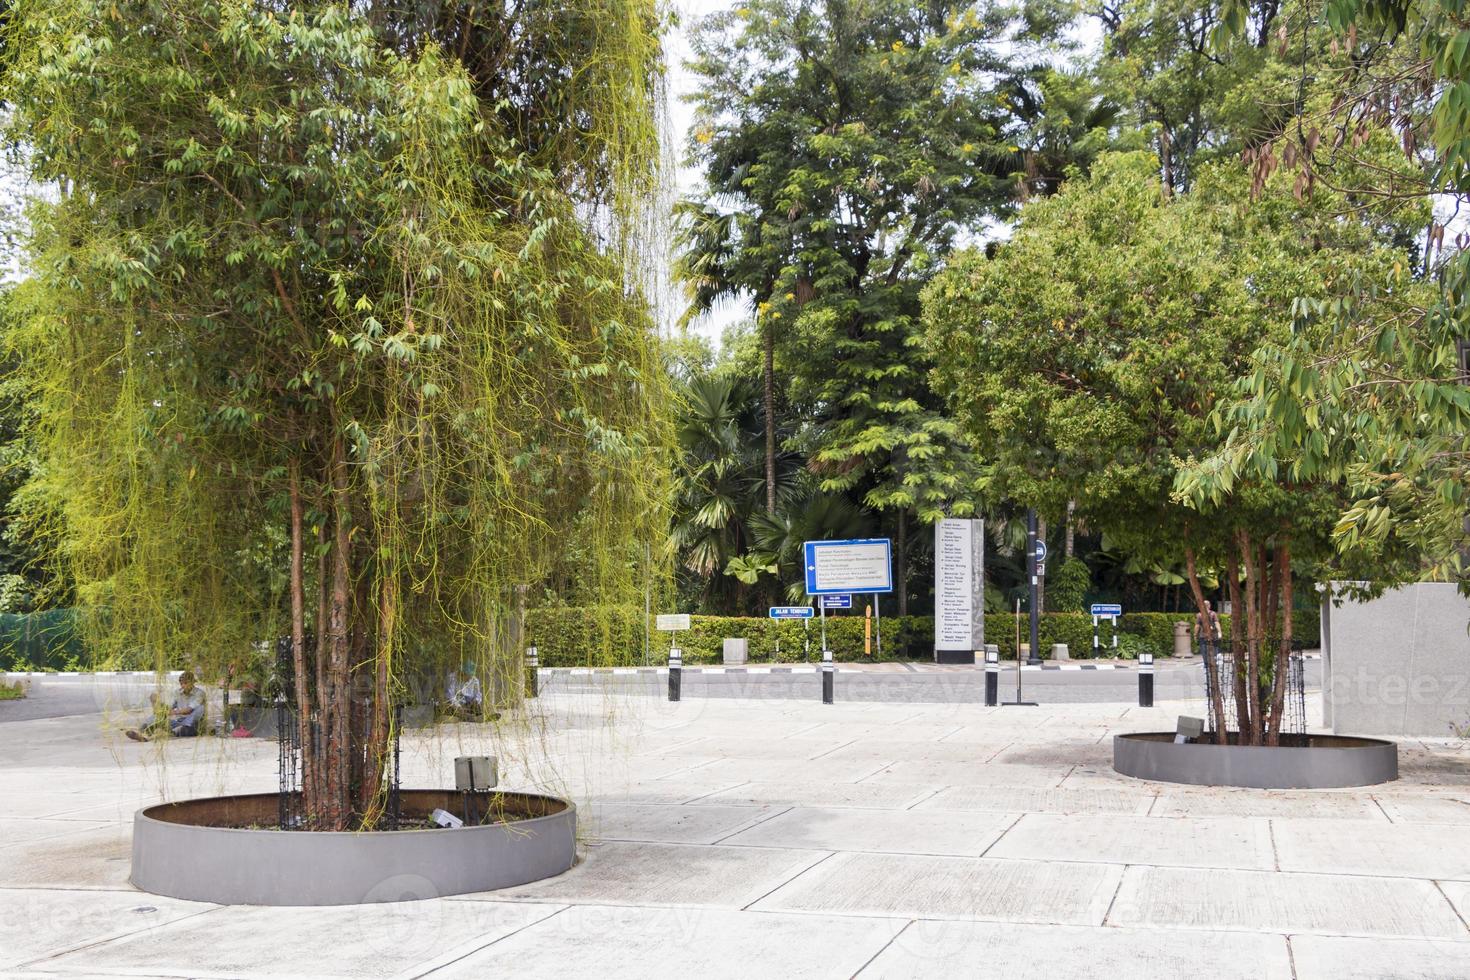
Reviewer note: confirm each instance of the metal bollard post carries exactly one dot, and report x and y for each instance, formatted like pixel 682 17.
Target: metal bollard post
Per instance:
pixel 676 671
pixel 533 673
pixel 1145 680
pixel 992 676
pixel 829 674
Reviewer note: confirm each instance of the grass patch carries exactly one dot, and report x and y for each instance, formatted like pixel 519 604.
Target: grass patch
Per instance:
pixel 12 690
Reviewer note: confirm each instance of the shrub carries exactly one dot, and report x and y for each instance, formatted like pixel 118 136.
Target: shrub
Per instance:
pixel 1066 588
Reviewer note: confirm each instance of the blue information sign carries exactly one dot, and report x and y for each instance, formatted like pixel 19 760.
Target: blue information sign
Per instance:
pixel 1106 609
pixel 791 612
pixel 862 565
pixel 836 602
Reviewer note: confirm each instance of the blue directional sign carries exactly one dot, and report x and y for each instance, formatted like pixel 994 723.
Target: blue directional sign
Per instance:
pixel 791 612
pixel 862 565
pixel 1106 609
pixel 836 602
pixel 1040 551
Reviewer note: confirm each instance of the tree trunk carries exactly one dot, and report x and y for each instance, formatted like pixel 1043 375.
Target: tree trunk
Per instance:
pixel 1252 736
pixel 1067 539
pixel 310 796
pixel 337 805
pixel 769 370
pixel 1217 695
pixel 1280 676
pixel 1237 641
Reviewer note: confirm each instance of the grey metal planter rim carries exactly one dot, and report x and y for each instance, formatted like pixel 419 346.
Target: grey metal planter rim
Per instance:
pixel 241 866
pixel 1327 762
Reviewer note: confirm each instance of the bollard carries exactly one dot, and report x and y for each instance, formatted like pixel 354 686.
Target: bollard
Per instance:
pixel 992 676
pixel 676 671
pixel 1145 680
pixel 533 675
pixel 829 674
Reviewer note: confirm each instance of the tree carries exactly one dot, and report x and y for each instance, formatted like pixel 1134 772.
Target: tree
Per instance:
pixel 1372 390
pixel 337 338
pixel 1085 359
pixel 845 144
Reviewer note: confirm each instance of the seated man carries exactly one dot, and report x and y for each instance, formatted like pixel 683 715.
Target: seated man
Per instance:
pixel 182 716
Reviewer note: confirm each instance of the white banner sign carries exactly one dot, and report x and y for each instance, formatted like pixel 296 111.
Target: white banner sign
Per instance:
pixel 959 598
pixel 671 621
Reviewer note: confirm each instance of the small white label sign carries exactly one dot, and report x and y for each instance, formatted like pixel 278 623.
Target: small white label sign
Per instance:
pixel 668 622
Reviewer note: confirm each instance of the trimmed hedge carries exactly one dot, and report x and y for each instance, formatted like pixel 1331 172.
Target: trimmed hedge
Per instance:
pixel 575 637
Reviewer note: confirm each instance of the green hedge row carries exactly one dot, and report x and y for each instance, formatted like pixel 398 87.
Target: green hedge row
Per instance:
pixel 615 637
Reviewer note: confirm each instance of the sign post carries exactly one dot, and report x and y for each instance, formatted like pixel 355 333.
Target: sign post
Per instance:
pixel 1109 611
pixel 837 569
pixel 803 613
pixel 1035 558
pixel 959 590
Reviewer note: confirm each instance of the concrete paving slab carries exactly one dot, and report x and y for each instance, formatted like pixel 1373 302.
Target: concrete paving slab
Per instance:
pixel 1221 842
pixel 1342 958
pixel 928 949
pixel 1175 802
pixel 941 774
pixel 635 943
pixel 1061 752
pixel 669 823
pixel 683 789
pixel 1453 809
pixel 669 874
pixel 38 923
pixel 1277 902
pixel 886 749
pixel 950 887
pixel 1024 799
pixel 878 796
pixel 782 770
pixel 1458 892
pixel 20 833
pixel 95 859
pixel 885 831
pixel 343 941
pixel 1368 848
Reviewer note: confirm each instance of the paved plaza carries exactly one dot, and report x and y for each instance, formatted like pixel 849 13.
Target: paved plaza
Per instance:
pixel 729 837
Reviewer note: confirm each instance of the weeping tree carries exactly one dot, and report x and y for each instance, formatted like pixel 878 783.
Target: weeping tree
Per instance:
pixel 340 339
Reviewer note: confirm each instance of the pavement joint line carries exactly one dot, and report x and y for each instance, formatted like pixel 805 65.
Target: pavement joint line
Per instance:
pixel 752 824
pixel 1001 836
pixel 930 796
pixel 1118 888
pixel 875 772
pixel 891 940
pixel 705 796
pixel 1271 834
pixel 1439 887
pixel 439 966
pixel 814 758
pixel 825 857
pixel 991 758
pixel 1378 803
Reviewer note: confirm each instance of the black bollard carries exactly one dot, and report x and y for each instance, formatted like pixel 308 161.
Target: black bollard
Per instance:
pixel 533 673
pixel 1145 680
pixel 992 676
pixel 829 674
pixel 676 671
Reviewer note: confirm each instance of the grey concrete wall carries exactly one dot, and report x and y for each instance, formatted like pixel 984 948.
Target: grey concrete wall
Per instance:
pixel 1398 664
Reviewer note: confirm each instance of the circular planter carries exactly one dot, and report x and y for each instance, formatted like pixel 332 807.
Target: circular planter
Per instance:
pixel 1315 762
pixel 200 850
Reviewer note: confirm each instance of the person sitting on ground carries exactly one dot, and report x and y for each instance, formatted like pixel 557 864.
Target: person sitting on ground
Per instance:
pixel 182 716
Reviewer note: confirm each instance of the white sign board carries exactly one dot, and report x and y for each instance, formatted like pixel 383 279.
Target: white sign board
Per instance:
pixel 959 597
pixel 860 565
pixel 671 621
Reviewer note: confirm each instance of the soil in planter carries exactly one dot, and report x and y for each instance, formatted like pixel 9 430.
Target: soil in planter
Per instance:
pixel 260 812
pixel 1289 740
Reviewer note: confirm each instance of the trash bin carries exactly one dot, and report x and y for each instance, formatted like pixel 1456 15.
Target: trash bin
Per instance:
pixel 1182 645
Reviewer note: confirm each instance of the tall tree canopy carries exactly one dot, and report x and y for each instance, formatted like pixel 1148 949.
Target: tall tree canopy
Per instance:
pixel 845 144
pixel 337 338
